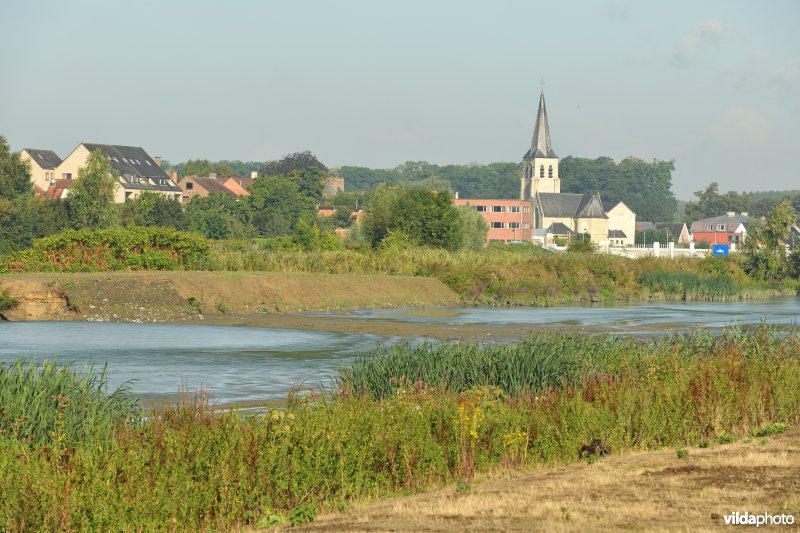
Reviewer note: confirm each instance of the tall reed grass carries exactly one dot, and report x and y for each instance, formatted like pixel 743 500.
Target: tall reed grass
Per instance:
pixel 47 403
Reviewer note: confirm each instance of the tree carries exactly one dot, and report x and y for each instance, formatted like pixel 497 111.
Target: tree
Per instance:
pixel 27 218
pixel 429 218
pixel 292 162
pixel 276 204
pixel 15 173
pixel 644 187
pixel 219 216
pixel 765 246
pixel 151 209
pixel 710 203
pixel 581 243
pixel 199 167
pixel 91 196
pixel 475 228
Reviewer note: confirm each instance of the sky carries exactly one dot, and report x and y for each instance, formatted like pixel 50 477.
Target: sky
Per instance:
pixel 712 85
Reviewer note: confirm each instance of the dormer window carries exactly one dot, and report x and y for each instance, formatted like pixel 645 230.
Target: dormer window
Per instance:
pixel 189 185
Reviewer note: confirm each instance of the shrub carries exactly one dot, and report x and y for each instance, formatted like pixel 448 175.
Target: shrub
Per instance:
pixel 153 248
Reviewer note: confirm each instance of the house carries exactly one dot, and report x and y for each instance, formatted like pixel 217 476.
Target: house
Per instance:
pixel 794 236
pixel 329 211
pixel 203 186
pixel 508 220
pixel 138 172
pixel 729 228
pixel 238 185
pixel 621 223
pixel 540 184
pixel 677 232
pixel 43 167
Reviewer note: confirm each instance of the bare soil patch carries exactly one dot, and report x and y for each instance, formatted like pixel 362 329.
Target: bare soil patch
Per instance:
pixel 186 296
pixel 640 491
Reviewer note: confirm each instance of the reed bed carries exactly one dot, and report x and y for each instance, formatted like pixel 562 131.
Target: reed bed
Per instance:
pixel 47 403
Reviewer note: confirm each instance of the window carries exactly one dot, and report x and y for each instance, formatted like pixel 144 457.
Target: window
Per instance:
pixel 710 227
pixel 114 159
pixel 513 225
pixel 497 225
pixel 124 159
pixel 480 208
pixel 148 163
pixel 189 185
pixel 66 176
pixel 550 172
pixel 498 209
pixel 720 227
pixel 526 209
pixel 541 171
pixel 513 209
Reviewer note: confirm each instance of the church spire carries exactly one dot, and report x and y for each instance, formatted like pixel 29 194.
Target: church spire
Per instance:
pixel 540 144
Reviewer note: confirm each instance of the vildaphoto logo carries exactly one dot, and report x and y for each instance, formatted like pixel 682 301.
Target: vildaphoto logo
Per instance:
pixel 765 519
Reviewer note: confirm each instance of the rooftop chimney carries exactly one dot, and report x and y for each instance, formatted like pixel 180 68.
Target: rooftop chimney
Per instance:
pixel 253 175
pixel 731 213
pixel 157 159
pixel 175 176
pixel 212 174
pixel 744 213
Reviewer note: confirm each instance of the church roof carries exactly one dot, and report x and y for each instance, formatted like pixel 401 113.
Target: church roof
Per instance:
pixel 559 228
pixel 570 205
pixel 540 144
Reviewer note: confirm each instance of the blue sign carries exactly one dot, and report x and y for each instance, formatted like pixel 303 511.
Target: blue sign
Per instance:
pixel 720 249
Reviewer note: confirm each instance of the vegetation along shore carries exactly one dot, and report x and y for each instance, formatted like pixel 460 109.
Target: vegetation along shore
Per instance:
pixel 76 456
pixel 102 274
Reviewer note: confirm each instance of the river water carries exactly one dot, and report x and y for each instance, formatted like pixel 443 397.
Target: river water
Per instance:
pixel 237 364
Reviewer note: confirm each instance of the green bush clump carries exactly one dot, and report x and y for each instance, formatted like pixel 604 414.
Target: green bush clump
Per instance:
pixel 153 248
pixel 6 301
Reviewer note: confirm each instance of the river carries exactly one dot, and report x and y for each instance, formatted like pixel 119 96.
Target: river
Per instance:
pixel 239 364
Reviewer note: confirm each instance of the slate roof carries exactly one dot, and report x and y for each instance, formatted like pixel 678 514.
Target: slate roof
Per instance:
pixel 44 158
pixel 570 205
pixel 731 223
pixel 616 234
pixel 136 168
pixel 675 229
pixel 645 225
pixel 540 144
pixel 608 205
pixel 558 228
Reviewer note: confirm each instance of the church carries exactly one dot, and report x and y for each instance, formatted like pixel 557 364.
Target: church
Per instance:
pixel 543 212
pixel 567 214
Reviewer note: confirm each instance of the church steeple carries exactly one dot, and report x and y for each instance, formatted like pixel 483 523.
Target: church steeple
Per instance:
pixel 540 163
pixel 540 144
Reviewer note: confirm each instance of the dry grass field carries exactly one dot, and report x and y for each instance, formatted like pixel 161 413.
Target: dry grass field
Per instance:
pixel 643 491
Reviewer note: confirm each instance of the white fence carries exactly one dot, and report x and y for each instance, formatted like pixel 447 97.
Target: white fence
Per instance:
pixel 659 250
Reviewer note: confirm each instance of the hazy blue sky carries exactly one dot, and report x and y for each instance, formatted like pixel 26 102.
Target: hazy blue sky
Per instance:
pixel 714 85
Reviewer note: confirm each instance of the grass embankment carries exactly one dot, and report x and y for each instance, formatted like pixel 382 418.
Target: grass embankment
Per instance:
pixel 518 275
pixel 389 432
pixel 498 275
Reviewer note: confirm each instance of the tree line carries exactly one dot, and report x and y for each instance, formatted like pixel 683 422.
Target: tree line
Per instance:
pixel 281 205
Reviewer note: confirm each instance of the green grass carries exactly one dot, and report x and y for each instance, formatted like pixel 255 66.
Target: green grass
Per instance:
pixel 190 467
